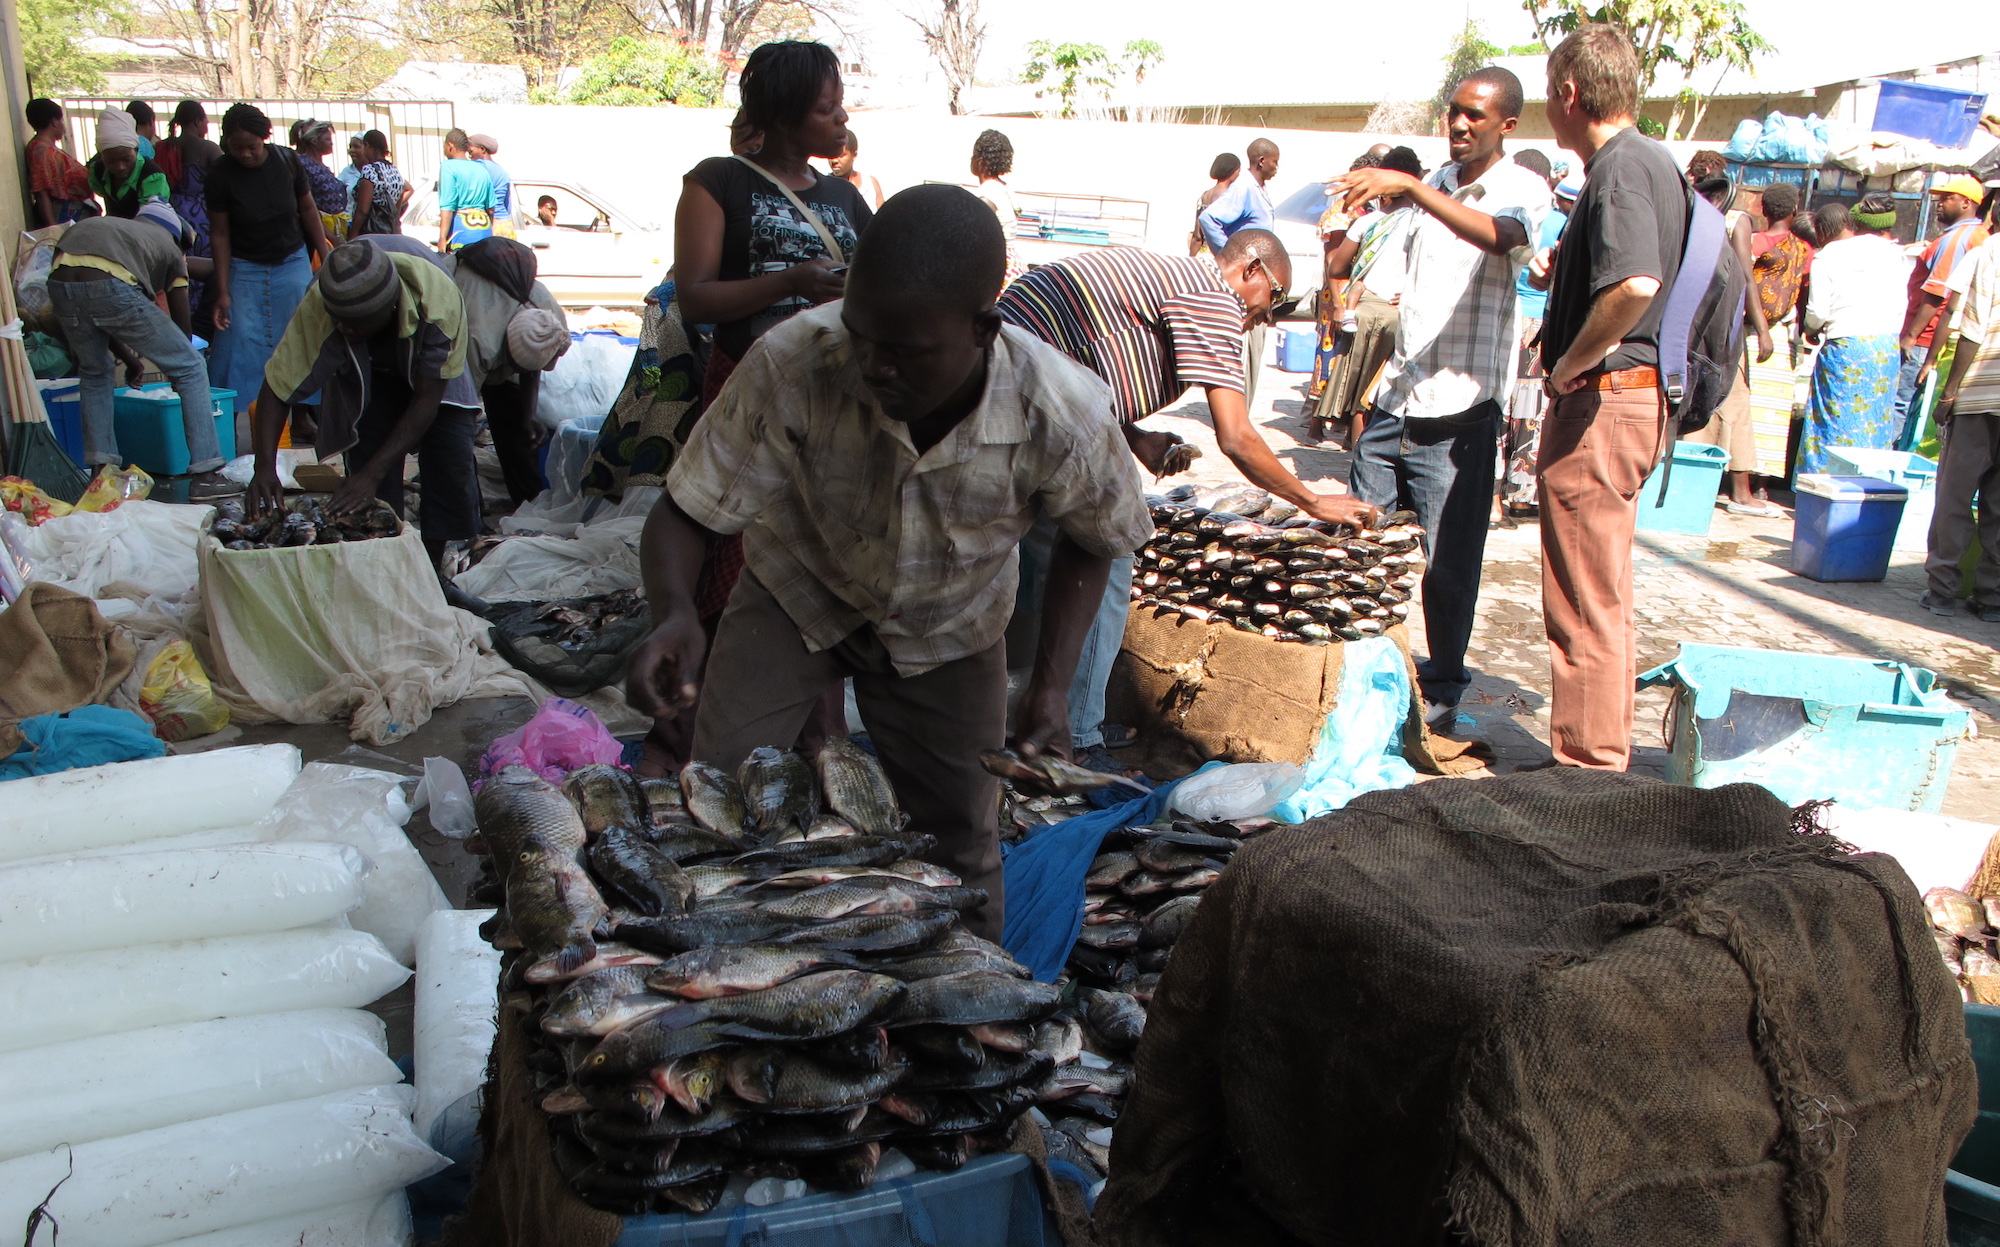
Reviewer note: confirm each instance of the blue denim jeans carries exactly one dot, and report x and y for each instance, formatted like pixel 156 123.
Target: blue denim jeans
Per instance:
pixel 95 312
pixel 1906 392
pixel 1100 650
pixel 262 298
pixel 1441 467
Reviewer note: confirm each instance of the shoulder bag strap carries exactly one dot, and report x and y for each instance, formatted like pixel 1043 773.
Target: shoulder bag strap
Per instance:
pixel 833 247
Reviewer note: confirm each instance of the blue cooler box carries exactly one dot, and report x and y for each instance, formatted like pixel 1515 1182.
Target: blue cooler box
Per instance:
pixel 1296 350
pixel 1868 733
pixel 1946 116
pixel 62 400
pixel 150 431
pixel 1898 467
pixel 1845 526
pixel 1687 503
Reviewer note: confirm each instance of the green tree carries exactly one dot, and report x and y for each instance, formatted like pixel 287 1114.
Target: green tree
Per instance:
pixel 1074 70
pixel 1689 36
pixel 1469 51
pixel 52 35
pixel 642 73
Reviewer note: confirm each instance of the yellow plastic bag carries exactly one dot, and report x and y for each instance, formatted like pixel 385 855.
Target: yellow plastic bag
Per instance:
pixel 27 498
pixel 113 485
pixel 177 697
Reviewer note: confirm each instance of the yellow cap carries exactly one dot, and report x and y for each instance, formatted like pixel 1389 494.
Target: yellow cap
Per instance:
pixel 1961 185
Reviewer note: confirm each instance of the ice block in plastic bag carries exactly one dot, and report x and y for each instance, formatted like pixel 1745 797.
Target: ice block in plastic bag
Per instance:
pixel 123 802
pixel 458 981
pixel 383 1222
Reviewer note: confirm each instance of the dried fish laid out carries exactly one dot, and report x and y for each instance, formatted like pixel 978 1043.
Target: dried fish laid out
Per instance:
pixel 1965 930
pixel 1238 556
pixel 736 977
pixel 301 522
pixel 1141 892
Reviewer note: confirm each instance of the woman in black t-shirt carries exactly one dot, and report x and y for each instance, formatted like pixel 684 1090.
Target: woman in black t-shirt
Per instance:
pixel 261 220
pixel 746 259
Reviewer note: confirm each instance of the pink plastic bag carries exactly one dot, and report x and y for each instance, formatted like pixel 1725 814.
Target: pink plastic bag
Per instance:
pixel 560 738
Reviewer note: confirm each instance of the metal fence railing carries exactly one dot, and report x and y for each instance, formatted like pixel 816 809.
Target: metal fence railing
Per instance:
pixel 416 128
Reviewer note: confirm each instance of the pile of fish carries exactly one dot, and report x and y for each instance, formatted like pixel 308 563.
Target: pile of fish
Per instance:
pixel 1965 932
pixel 301 522
pixel 750 977
pixel 574 623
pixel 1241 557
pixel 1141 892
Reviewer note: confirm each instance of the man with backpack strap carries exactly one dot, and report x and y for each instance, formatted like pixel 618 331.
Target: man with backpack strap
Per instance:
pixel 1608 423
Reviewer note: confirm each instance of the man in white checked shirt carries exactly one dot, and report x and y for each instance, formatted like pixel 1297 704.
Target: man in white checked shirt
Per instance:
pixel 1968 418
pixel 1430 442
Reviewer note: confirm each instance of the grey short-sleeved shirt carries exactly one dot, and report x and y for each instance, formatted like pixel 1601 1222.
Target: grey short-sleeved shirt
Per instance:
pixel 1630 221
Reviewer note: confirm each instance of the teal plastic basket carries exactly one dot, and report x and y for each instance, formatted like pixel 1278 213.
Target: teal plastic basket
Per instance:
pixel 1683 501
pixel 1972 1184
pixel 1877 735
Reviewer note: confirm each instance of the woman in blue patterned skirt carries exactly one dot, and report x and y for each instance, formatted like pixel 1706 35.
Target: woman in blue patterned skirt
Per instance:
pixel 1856 311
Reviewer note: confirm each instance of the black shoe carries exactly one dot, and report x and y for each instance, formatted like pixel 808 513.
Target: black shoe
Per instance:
pixel 455 596
pixel 1098 758
pixel 212 485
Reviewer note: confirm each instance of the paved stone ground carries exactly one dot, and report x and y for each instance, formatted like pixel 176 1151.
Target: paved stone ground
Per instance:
pixel 1733 587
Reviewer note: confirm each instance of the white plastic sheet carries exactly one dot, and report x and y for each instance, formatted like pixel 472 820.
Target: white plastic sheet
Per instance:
pixel 357 630
pixel 602 557
pixel 458 980
pixel 77 995
pixel 365 808
pixel 585 380
pixel 1934 850
pixel 144 545
pixel 1243 790
pixel 89 902
pixel 126 802
pixel 109 1085
pixel 140 1190
pixel 383 1222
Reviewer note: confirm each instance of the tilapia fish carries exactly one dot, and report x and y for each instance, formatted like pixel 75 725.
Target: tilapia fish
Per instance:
pixel 1050 776
pixel 688 844
pixel 639 871
pixel 1116 1017
pixel 850 1169
pixel 778 791
pixel 600 1003
pixel 1164 925
pixel 743 924
pixel 517 804
pixel 715 799
pixel 872 894
pixel 1000 1069
pixel 780 1080
pixel 553 906
pixel 857 789
pixel 732 970
pixel 839 851
pixel 609 955
pixel 1952 910
pixel 975 998
pixel 648 1043
pixel 817 1006
pixel 873 933
pixel 814 876
pixel 663 800
pixel 607 796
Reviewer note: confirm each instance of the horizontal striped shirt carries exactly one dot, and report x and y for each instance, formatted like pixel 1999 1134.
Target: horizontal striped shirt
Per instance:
pixel 1976 280
pixel 1151 325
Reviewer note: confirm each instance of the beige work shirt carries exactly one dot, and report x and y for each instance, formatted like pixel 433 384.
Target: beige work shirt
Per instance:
pixel 847 525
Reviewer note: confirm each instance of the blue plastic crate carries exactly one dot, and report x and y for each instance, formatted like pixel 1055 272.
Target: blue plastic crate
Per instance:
pixel 152 435
pixel 1296 350
pixel 991 1202
pixel 1878 735
pixel 1683 501
pixel 1844 527
pixel 64 405
pixel 1946 116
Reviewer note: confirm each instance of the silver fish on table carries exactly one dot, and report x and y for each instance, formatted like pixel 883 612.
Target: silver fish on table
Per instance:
pixel 778 791
pixel 856 788
pixel 1051 776
pixel 515 805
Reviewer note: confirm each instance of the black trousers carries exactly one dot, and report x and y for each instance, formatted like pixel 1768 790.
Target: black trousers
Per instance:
pixel 512 422
pixel 449 507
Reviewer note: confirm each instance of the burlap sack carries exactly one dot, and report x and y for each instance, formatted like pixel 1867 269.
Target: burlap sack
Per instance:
pixel 56 653
pixel 1567 1007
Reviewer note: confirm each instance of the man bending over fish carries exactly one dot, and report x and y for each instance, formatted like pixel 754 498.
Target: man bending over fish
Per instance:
pixel 883 456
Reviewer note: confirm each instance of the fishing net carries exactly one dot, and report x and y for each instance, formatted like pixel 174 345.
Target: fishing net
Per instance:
pixel 1567 1007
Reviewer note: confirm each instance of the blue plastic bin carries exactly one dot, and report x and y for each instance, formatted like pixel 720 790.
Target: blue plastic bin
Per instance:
pixel 1296 350
pixel 1844 526
pixel 63 402
pixel 1878 735
pixel 992 1202
pixel 1946 116
pixel 150 431
pixel 1898 467
pixel 1972 1184
pixel 1683 501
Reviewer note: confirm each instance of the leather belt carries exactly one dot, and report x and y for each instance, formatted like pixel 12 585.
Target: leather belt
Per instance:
pixel 1625 379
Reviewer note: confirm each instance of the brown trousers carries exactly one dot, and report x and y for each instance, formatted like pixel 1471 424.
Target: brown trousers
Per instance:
pixel 1597 448
pixel 928 729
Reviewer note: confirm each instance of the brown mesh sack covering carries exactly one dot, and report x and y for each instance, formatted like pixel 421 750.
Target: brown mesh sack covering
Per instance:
pixel 1567 1007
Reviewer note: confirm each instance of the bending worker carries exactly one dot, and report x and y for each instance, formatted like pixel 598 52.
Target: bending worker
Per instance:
pixel 883 456
pixel 1154 326
pixel 381 336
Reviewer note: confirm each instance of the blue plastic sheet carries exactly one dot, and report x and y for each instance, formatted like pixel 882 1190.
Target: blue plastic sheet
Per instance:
pixel 1780 139
pixel 1044 879
pixel 86 736
pixel 1361 744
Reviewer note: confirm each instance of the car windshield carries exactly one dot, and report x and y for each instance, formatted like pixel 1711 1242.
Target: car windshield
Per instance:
pixel 578 206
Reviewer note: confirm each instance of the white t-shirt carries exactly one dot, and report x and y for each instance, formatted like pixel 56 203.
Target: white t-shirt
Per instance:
pixel 1860 288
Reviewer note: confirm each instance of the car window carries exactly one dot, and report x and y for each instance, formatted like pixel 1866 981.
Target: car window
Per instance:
pixel 572 210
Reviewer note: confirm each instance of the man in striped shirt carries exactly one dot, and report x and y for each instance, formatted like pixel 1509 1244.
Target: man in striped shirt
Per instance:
pixel 1968 418
pixel 1155 326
